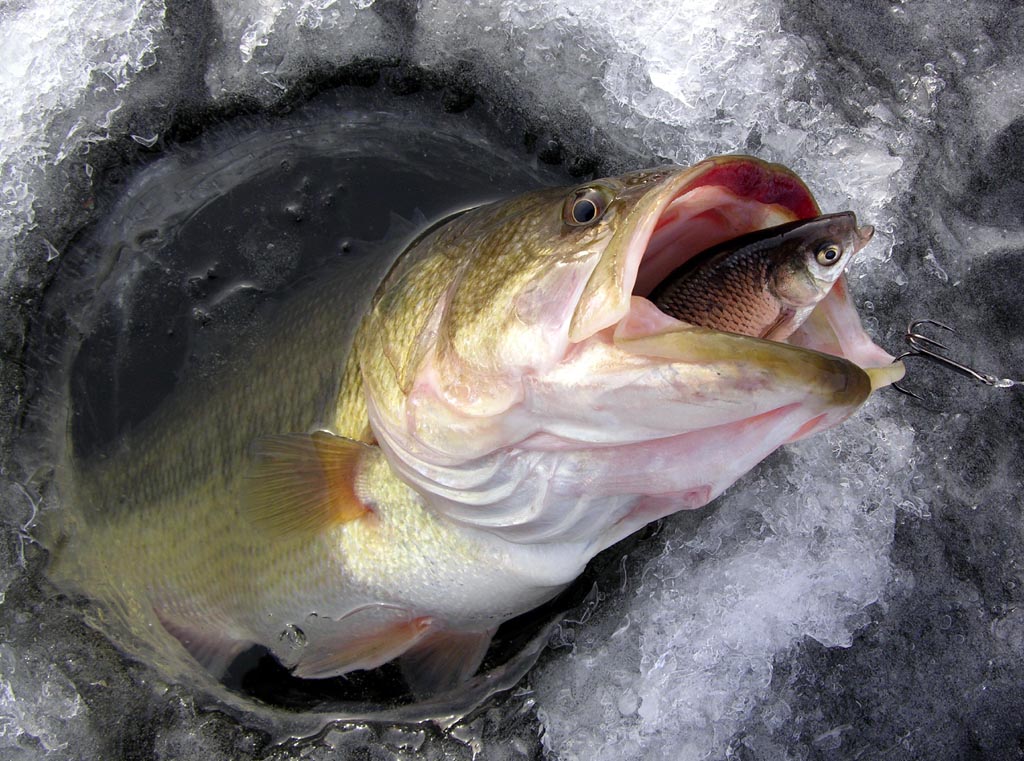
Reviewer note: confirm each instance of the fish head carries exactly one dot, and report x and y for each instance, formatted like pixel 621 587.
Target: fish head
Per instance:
pixel 814 259
pixel 516 375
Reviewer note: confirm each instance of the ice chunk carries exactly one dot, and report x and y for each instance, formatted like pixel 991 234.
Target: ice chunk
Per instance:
pixel 65 72
pixel 266 45
pixel 997 93
pixel 34 703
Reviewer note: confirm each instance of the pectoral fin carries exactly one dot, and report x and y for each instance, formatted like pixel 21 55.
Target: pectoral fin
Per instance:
pixel 304 482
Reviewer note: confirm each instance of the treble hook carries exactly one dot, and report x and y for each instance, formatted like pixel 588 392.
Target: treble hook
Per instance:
pixel 923 346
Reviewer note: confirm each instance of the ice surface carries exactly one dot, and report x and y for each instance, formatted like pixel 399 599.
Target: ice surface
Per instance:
pixel 788 554
pixel 65 74
pixel 858 596
pixel 267 44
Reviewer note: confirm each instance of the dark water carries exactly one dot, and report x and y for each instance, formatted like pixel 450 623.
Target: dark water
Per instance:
pixel 204 241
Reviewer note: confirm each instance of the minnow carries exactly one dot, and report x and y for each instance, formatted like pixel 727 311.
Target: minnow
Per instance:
pixel 764 283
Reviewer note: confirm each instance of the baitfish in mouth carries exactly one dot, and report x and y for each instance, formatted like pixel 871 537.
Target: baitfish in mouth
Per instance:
pixel 764 283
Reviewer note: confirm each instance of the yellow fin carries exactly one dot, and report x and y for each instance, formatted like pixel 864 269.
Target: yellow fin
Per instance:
pixel 304 482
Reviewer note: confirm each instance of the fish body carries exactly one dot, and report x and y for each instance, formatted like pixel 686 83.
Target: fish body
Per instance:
pixel 764 283
pixel 510 405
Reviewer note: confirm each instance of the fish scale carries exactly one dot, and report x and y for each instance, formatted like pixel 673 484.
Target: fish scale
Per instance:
pixel 739 302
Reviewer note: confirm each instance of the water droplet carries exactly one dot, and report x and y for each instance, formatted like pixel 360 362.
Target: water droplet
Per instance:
pixel 293 637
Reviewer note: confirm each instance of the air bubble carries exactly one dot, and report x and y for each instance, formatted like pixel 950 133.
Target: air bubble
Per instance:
pixel 147 142
pixel 293 637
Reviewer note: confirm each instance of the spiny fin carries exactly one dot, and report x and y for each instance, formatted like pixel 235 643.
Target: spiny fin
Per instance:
pixel 214 651
pixel 363 651
pixel 444 660
pixel 304 482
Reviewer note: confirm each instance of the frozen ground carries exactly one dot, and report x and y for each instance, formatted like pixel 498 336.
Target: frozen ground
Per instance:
pixel 858 596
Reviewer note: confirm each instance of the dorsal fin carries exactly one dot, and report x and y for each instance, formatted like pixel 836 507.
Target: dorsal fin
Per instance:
pixel 304 482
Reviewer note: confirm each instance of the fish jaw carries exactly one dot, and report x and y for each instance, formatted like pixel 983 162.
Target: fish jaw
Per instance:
pixel 716 200
pixel 645 418
pixel 592 412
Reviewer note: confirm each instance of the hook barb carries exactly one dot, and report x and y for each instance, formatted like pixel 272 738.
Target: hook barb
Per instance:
pixel 923 346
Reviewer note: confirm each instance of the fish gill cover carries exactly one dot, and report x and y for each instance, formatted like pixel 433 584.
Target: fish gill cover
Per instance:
pixel 858 595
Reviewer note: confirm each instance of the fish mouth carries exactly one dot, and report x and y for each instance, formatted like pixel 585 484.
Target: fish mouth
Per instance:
pixel 694 209
pixel 732 196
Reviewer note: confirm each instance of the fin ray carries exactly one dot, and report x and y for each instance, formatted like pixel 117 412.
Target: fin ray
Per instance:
pixel 444 660
pixel 214 651
pixel 366 650
pixel 304 482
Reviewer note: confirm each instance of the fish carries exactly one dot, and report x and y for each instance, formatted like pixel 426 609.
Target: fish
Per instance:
pixel 511 404
pixel 767 282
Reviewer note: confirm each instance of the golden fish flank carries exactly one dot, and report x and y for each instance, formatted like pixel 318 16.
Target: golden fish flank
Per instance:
pixel 511 405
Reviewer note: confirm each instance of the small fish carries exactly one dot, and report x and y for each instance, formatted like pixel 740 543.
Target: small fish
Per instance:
pixel 764 283
pixel 511 405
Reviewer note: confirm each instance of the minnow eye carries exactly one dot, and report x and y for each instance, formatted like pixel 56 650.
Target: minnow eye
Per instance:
pixel 585 207
pixel 828 255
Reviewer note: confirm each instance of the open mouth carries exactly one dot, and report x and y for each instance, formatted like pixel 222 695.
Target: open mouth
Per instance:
pixel 733 196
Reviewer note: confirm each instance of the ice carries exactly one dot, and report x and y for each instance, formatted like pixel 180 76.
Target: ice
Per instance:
pixel 857 596
pixel 64 74
pixel 789 555
pixel 38 700
pixel 268 44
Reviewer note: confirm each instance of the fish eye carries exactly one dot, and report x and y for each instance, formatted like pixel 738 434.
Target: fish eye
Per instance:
pixel 828 255
pixel 584 207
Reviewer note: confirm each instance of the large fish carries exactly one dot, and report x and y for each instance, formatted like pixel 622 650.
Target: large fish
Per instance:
pixel 511 405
